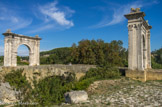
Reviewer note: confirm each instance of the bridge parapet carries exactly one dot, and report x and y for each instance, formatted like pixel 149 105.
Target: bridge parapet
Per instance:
pixel 52 68
pixel 39 72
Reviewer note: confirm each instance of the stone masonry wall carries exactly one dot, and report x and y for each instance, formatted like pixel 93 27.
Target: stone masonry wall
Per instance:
pixel 154 74
pixel 52 68
pixel 39 72
pixel 150 74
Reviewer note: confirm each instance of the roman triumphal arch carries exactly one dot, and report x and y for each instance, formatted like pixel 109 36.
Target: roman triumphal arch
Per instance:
pixel 11 43
pixel 139 53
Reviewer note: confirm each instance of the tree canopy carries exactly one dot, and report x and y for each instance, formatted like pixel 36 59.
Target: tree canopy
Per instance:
pixel 88 52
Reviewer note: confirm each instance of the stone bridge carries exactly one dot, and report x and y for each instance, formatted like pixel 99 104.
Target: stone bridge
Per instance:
pixel 42 71
pixel 52 68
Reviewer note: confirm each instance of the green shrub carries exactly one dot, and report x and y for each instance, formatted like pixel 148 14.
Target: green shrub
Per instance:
pixel 16 79
pixel 51 90
pixel 83 84
pixel 94 74
pixel 23 63
pixel 103 73
pixel 154 64
pixel 19 82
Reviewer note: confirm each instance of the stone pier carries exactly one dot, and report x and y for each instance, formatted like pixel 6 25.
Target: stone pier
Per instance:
pixel 139 51
pixel 139 54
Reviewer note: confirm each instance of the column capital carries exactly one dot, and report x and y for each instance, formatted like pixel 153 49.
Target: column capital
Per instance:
pixel 130 27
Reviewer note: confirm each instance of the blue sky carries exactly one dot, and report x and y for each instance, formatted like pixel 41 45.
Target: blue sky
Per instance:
pixel 60 23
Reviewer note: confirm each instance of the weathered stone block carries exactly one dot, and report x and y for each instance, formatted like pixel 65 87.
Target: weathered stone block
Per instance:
pixel 7 94
pixel 76 97
pixel 149 74
pixel 154 74
pixel 136 75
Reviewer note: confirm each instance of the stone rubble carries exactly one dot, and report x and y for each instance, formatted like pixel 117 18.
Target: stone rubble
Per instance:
pixel 127 93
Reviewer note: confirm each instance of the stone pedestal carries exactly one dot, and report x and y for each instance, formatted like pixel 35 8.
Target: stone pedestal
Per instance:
pixel 136 75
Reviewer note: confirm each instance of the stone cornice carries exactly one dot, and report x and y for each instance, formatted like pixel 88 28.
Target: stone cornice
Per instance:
pixel 137 17
pixel 18 35
pixel 134 15
pixel 147 26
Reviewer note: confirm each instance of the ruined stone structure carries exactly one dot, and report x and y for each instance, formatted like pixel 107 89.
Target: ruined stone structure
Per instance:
pixel 139 54
pixel 13 41
pixel 43 71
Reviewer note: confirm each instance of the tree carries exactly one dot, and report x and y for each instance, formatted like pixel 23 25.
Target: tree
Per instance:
pixel 88 52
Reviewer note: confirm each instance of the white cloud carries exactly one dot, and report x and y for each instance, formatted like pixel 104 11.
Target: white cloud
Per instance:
pixel 52 12
pixel 118 15
pixel 21 24
pixel 52 17
pixel 10 19
pixel 14 20
pixel 120 10
pixel 42 28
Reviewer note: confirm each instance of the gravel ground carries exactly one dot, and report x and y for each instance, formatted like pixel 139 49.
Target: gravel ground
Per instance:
pixel 123 93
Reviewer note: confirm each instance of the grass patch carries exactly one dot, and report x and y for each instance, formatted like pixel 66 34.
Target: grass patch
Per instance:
pixel 108 103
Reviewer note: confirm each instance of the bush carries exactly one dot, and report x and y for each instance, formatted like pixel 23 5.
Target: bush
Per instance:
pixel 94 74
pixel 23 63
pixel 83 84
pixel 154 64
pixel 18 81
pixel 51 90
pixel 103 73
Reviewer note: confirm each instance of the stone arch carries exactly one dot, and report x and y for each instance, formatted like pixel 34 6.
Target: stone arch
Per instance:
pixel 30 51
pixel 13 41
pixel 27 45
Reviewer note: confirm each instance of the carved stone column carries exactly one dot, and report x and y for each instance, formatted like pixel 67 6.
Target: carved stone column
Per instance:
pixel 31 59
pixel 8 51
pixel 148 50
pixel 139 49
pixel 38 53
pixel 130 46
